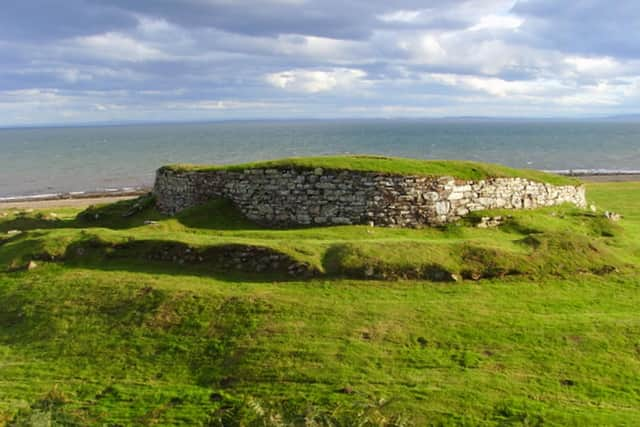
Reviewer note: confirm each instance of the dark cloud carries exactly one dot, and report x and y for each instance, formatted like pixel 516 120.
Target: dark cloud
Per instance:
pixel 51 19
pixel 324 18
pixel 596 27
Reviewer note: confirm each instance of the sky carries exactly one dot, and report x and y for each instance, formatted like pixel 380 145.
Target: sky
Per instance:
pixel 84 61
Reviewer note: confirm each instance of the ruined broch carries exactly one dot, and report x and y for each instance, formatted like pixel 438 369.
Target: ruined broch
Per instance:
pixel 293 196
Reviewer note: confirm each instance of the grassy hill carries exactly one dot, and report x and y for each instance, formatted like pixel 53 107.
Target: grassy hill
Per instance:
pixel 461 169
pixel 117 325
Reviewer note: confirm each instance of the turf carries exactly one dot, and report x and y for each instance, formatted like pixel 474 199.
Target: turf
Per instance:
pixel 465 170
pixel 103 336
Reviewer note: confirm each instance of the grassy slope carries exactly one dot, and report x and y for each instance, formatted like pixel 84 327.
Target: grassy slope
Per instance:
pixel 125 342
pixel 459 169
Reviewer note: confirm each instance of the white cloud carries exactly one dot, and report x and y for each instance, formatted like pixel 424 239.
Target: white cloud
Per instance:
pixel 225 105
pixel 116 46
pixel 496 86
pixel 498 22
pixel 34 97
pixel 592 65
pixel 404 16
pixel 314 81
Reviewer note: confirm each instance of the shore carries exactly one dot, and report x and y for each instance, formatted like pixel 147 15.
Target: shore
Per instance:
pixel 610 178
pixel 76 200
pixel 88 199
pixel 62 203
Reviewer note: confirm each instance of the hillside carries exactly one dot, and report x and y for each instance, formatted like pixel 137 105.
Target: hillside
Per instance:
pixel 131 317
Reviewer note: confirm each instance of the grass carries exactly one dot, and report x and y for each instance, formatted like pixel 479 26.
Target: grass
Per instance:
pixel 104 336
pixel 465 170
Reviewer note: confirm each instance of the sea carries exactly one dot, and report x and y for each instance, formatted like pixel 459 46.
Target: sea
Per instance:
pixel 41 162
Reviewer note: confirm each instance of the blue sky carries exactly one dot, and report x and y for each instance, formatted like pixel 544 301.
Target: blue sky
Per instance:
pixel 77 61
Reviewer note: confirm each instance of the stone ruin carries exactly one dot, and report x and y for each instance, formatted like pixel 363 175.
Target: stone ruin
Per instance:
pixel 284 197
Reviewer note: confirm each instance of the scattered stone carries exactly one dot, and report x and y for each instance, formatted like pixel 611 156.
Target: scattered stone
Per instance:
pixel 473 275
pixel 369 271
pixel 31 265
pixel 490 222
pixel 13 232
pixel 149 222
pixel 346 390
pixel 612 216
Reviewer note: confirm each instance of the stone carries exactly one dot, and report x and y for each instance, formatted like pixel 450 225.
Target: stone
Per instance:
pixel 289 197
pixel 456 195
pixel 31 265
pixel 443 207
pixel 431 196
pixel 490 221
pixel 612 216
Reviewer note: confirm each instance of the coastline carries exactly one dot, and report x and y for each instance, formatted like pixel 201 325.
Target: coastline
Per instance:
pixel 76 199
pixel 612 177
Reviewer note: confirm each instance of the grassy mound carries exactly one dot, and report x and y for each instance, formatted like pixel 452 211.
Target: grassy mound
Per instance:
pixel 133 318
pixel 215 239
pixel 465 170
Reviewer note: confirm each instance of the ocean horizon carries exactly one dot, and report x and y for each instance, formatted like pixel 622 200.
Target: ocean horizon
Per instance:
pixel 41 161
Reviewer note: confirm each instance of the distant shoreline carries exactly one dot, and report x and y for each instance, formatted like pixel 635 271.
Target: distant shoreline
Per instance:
pixel 612 177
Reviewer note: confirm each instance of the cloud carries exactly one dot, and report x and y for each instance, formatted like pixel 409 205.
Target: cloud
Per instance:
pixel 315 81
pixel 115 46
pixel 498 87
pixel 100 60
pixel 403 16
pixel 589 27
pixel 498 22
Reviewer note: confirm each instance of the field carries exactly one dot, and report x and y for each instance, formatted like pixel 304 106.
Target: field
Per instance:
pixel 105 319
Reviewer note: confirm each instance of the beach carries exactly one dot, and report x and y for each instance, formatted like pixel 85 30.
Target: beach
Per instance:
pixel 62 203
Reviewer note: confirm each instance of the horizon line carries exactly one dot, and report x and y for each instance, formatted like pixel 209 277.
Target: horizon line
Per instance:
pixel 116 123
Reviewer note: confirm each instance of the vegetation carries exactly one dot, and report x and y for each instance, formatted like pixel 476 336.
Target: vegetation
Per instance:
pixel 466 170
pixel 542 329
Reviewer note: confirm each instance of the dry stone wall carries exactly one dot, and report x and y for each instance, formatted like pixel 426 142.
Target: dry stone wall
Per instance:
pixel 289 197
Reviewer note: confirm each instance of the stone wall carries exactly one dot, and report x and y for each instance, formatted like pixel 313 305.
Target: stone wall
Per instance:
pixel 285 197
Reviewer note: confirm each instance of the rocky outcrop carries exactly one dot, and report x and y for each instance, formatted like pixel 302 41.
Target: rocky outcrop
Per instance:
pixel 289 197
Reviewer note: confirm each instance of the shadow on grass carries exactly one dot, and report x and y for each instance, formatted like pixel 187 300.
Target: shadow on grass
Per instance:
pixel 217 214
pixel 229 262
pixel 119 215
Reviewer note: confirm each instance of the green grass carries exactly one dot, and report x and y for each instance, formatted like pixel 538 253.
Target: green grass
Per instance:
pixel 101 335
pixel 465 170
